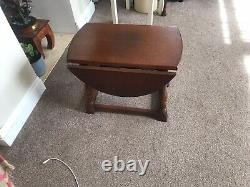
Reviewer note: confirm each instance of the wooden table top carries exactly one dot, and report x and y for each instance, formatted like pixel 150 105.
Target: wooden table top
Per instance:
pixel 129 46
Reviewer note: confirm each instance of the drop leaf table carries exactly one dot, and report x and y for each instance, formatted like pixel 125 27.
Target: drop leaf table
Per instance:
pixel 126 61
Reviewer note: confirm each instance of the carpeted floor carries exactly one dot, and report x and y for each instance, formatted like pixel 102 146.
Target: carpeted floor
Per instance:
pixel 204 143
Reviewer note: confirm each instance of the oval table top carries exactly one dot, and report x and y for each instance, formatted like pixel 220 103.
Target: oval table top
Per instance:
pixel 127 46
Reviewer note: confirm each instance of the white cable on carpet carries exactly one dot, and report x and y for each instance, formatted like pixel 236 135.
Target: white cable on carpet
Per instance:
pixel 44 162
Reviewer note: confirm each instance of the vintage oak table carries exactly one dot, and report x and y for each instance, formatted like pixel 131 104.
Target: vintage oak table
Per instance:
pixel 126 61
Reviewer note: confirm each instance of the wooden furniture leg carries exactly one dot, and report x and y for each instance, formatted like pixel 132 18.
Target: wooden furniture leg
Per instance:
pixel 164 12
pixel 37 42
pixel 162 112
pixel 50 37
pixel 90 98
pixel 114 11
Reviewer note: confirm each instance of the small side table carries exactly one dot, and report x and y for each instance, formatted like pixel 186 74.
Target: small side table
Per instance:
pixel 126 61
pixel 36 33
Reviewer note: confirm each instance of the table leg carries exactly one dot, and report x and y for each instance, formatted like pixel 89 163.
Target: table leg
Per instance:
pixel 90 98
pixel 38 44
pixel 50 37
pixel 164 12
pixel 162 112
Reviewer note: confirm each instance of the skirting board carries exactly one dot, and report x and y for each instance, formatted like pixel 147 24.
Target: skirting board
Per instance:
pixel 17 119
pixel 85 17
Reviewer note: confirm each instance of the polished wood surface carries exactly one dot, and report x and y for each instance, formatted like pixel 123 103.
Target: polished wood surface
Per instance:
pixel 115 63
pixel 130 46
pixel 122 82
pixel 36 33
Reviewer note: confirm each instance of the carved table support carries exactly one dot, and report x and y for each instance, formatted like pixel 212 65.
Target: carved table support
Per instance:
pixel 162 111
pixel 90 98
pixel 164 12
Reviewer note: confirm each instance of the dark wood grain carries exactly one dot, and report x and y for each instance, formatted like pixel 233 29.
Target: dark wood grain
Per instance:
pixel 122 82
pixel 90 98
pixel 126 61
pixel 162 111
pixel 126 110
pixel 130 46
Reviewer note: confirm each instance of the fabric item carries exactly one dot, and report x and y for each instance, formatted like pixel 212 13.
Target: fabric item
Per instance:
pixel 5 167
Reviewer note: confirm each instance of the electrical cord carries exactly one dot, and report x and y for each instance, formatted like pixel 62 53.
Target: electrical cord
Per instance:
pixel 44 162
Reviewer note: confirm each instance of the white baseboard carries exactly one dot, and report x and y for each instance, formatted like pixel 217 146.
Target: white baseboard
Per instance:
pixel 85 17
pixel 17 119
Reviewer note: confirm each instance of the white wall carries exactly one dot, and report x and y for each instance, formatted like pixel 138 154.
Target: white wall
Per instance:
pixel 78 6
pixel 16 73
pixel 82 11
pixel 63 14
pixel 58 12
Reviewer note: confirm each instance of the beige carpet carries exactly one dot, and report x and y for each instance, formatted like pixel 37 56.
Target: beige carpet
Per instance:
pixel 204 143
pixel 52 55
